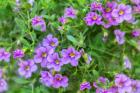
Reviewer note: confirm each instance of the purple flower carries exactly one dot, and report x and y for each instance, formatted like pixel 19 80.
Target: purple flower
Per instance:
pixel 71 55
pixel 110 21
pixel 132 20
pixel 123 12
pixel 18 54
pixel 60 81
pixel 135 84
pixel 55 62
pixel 26 68
pixel 85 85
pixel 3 85
pixel 41 55
pixel 70 12
pixel 122 80
pixel 127 63
pixel 50 41
pixel 136 9
pixel 101 90
pixel 62 20
pixel 113 89
pixel 46 78
pixel 110 6
pixel 119 36
pixel 137 2
pixel 136 33
pixel 123 83
pixel 95 85
pixel 102 80
pixel 38 23
pixel 96 6
pixel 4 56
pixel 93 18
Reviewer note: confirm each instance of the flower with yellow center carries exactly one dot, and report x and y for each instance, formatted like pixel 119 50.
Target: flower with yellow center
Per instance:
pixel 52 44
pixel 121 12
pixel 27 68
pixel 58 79
pixel 108 9
pixel 44 54
pixel 57 61
pixel 72 54
pixel 94 17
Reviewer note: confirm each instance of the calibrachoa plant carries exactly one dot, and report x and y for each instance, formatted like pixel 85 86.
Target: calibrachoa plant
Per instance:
pixel 70 46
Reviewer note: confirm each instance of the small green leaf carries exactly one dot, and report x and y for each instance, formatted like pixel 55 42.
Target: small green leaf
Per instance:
pixel 21 80
pixel 72 39
pixel 133 43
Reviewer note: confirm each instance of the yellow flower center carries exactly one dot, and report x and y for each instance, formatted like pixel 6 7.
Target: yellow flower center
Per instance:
pixel 58 79
pixel 52 44
pixel 121 12
pixel 134 88
pixel 94 17
pixel 44 54
pixel 57 61
pixel 72 54
pixel 108 10
pixel 27 67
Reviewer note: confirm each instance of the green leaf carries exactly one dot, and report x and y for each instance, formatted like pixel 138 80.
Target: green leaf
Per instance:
pixel 95 73
pixel 25 43
pixel 132 43
pixel 21 80
pixel 72 39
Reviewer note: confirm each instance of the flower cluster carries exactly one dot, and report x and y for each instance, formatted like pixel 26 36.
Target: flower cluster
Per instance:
pixel 69 12
pixel 46 56
pixel 48 59
pixel 112 14
pixel 121 84
pixel 55 81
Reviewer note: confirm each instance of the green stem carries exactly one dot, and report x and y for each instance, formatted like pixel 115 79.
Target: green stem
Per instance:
pixel 60 90
pixel 32 88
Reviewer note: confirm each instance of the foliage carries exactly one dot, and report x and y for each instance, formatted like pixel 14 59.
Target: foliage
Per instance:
pixel 107 57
